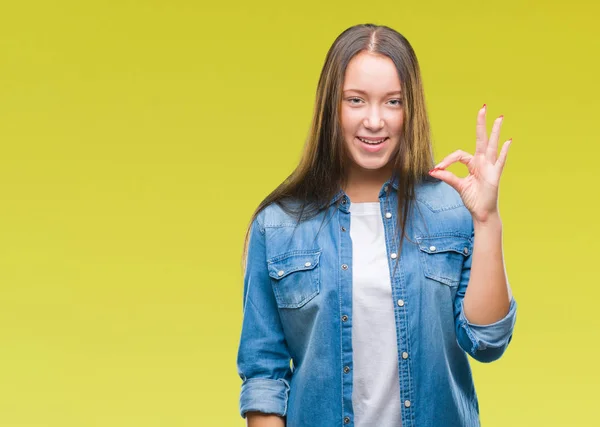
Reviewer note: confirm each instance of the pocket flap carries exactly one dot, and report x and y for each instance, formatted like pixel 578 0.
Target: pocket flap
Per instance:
pixel 433 245
pixel 289 262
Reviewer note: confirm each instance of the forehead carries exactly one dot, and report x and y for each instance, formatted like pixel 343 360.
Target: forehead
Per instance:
pixel 371 73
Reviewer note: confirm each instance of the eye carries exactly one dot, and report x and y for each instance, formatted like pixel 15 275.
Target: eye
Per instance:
pixel 399 101
pixel 353 98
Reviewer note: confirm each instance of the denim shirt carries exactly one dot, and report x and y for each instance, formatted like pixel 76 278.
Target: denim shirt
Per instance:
pixel 295 350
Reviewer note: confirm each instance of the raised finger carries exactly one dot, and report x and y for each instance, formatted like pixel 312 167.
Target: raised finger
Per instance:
pixel 503 153
pixel 481 132
pixel 492 149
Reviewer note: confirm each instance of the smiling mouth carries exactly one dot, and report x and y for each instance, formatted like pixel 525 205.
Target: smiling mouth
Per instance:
pixel 366 141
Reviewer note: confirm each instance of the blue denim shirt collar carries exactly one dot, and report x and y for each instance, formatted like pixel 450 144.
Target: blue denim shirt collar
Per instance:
pixel 393 181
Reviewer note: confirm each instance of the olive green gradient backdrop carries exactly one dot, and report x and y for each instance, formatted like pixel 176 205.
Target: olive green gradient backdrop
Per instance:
pixel 137 137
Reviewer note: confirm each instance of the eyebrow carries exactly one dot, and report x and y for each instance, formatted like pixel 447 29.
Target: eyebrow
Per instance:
pixel 364 93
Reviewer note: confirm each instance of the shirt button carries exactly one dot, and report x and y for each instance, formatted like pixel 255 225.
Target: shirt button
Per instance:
pixel 394 256
pixel 407 403
pixel 344 318
pixel 466 251
pixel 388 215
pixel 405 355
pixel 432 248
pixel 280 273
pixel 344 267
pixel 344 201
pixel 385 187
pixel 346 369
pixel 400 302
pixel 346 420
pixel 343 228
pixel 307 264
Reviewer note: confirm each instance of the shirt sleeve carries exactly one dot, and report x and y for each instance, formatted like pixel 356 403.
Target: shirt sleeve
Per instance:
pixel 263 360
pixel 485 343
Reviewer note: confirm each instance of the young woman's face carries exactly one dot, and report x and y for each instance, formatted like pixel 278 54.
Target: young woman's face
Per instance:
pixel 371 109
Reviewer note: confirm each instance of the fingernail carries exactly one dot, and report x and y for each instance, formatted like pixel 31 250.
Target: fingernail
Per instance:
pixel 484 107
pixel 502 116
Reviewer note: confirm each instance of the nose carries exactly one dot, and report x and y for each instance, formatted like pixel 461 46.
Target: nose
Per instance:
pixel 373 121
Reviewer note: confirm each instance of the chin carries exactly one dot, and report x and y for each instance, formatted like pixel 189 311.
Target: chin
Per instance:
pixel 373 164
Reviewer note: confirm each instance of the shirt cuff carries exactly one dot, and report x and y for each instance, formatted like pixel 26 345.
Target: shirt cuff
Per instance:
pixel 495 334
pixel 264 395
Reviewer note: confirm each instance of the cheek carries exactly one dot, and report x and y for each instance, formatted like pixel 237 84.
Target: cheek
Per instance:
pixel 396 127
pixel 350 119
pixel 397 121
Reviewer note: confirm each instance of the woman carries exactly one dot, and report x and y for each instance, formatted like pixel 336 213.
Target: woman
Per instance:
pixel 370 276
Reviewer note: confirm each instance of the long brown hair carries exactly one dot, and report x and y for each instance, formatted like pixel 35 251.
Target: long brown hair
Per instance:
pixel 321 172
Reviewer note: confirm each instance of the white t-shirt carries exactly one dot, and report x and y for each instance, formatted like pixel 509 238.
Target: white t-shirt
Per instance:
pixel 376 385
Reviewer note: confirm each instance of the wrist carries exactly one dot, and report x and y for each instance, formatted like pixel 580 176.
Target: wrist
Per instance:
pixel 492 220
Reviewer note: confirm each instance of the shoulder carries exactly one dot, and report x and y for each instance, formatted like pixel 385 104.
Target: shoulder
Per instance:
pixel 284 235
pixel 443 207
pixel 438 196
pixel 286 214
pixel 273 215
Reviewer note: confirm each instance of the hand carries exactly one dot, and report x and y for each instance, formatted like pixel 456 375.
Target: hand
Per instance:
pixel 478 190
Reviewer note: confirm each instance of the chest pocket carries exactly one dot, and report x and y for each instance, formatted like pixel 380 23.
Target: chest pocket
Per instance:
pixel 296 277
pixel 442 257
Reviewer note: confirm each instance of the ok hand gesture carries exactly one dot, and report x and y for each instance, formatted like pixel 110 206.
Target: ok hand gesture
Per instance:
pixel 478 190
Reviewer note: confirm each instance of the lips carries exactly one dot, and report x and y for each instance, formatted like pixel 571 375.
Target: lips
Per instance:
pixel 372 141
pixel 371 147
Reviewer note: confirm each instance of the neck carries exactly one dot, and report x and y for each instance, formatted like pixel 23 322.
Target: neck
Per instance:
pixel 363 185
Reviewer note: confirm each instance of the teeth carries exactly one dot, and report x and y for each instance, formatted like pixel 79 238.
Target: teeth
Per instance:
pixel 371 142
